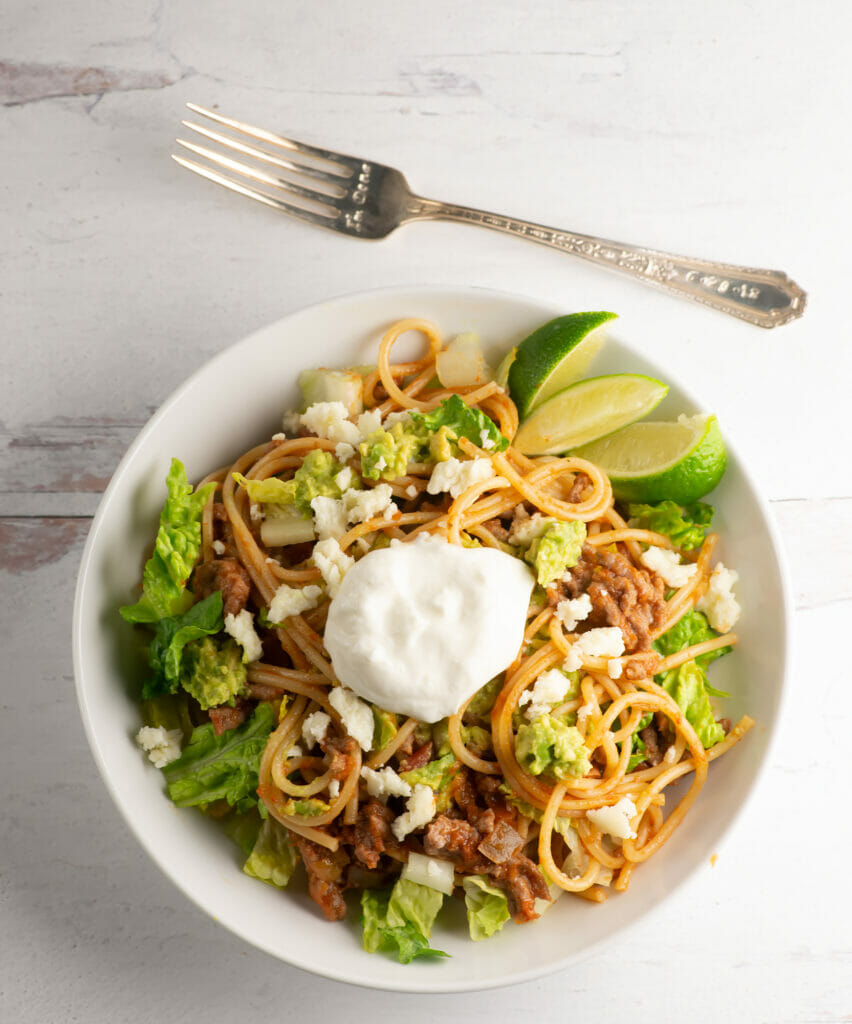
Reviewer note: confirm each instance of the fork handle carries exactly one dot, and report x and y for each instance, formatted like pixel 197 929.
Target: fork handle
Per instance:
pixel 766 298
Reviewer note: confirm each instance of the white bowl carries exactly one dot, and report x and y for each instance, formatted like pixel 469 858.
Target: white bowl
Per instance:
pixel 232 403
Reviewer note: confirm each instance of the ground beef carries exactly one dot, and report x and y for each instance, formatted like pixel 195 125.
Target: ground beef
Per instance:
pixel 225 717
pixel 227 575
pixel 643 666
pixel 340 751
pixel 421 756
pixel 653 745
pixel 621 594
pixel 523 884
pixel 325 875
pixel 579 485
pixel 454 840
pixel 371 834
pixel 497 529
pixel 223 531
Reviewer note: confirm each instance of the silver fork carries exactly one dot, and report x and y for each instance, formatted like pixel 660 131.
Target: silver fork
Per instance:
pixel 366 199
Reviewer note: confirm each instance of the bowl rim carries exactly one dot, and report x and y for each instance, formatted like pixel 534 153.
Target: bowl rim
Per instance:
pixel 430 983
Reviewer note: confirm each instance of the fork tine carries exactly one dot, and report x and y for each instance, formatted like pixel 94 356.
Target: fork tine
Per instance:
pixel 315 173
pixel 257 175
pixel 261 197
pixel 349 164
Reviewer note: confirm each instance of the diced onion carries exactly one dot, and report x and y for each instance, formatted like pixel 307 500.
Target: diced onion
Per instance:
pixel 430 871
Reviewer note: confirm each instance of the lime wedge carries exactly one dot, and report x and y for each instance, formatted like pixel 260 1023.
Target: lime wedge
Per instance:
pixel 652 461
pixel 588 410
pixel 554 356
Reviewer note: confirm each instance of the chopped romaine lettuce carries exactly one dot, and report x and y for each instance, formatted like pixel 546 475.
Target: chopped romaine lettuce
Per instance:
pixel 395 925
pixel 169 711
pixel 175 551
pixel 549 745
pixel 688 686
pixel 686 527
pixel 273 857
pixel 487 907
pixel 222 767
pixel 556 550
pixel 243 828
pixel 171 636
pixel 213 672
pixel 315 477
pixel 692 628
pixel 638 751
pixel 463 421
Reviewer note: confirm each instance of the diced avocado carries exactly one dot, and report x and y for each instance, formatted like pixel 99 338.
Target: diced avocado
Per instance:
pixel 556 550
pixel 549 745
pixel 332 386
pixel 386 453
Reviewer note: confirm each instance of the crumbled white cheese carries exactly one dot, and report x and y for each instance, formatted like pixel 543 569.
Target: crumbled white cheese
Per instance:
pixel 329 515
pixel 218 547
pixel 161 745
pixel 607 642
pixel 455 476
pixel 357 716
pixel 525 529
pixel 403 416
pixel 314 728
pixel 615 820
pixel 411 491
pixel 573 610
pixel 550 689
pixel 381 462
pixel 420 810
pixel 255 512
pixel 666 564
pixel 485 440
pixel 295 751
pixel 614 668
pixel 241 628
pixel 369 503
pixel 289 601
pixel 331 420
pixel 718 602
pixel 279 437
pixel 332 562
pixel 334 789
pixel 343 452
pixel 344 478
pixel 384 783
pixel 369 422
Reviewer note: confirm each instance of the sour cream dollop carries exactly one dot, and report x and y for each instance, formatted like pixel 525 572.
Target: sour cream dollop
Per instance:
pixel 418 627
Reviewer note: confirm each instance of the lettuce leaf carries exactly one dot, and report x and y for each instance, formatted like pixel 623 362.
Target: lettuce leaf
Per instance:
pixel 487 907
pixel 687 684
pixel 398 921
pixel 171 636
pixel 175 551
pixel 686 526
pixel 384 727
pixel 222 767
pixel 463 421
pixel 213 671
pixel 273 857
pixel 692 628
pixel 243 828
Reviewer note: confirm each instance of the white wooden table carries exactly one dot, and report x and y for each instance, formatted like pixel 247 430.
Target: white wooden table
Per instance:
pixel 718 131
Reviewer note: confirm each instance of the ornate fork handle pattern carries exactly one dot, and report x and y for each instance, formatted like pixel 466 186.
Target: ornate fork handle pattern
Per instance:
pixel 766 298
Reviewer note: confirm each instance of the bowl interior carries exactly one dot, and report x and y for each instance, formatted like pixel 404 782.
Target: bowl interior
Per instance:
pixel 230 404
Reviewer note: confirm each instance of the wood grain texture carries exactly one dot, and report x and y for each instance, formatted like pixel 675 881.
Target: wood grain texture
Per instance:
pixel 715 132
